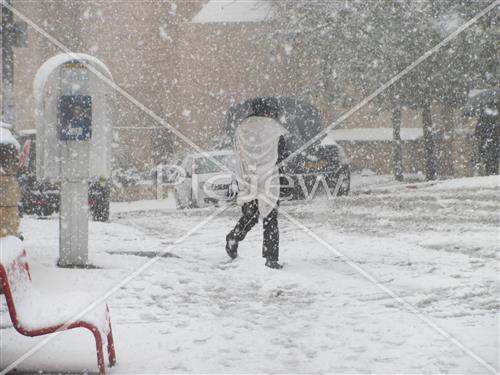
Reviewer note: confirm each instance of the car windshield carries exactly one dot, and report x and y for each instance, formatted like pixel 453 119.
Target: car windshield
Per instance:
pixel 207 165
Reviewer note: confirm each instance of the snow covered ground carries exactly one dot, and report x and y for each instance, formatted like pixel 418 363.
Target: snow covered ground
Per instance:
pixel 433 244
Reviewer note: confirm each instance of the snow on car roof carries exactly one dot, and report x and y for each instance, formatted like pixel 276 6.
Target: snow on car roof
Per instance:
pixel 218 11
pixel 475 92
pixel 5 125
pixel 27 132
pixel 6 137
pixel 371 134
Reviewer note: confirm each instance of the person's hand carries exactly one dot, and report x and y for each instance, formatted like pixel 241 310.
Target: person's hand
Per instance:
pixel 232 190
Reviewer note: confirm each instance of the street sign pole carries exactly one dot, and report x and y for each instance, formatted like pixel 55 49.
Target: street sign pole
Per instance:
pixel 8 39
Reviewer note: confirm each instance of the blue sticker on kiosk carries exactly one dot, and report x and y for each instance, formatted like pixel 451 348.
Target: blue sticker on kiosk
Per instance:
pixel 75 117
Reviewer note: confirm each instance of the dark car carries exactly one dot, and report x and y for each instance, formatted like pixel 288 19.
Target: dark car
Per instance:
pixel 42 198
pixel 319 167
pixel 37 198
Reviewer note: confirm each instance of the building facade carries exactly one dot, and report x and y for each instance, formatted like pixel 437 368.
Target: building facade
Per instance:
pixel 187 62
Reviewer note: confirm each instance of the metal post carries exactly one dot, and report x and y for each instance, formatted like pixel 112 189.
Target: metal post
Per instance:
pixel 8 40
pixel 74 207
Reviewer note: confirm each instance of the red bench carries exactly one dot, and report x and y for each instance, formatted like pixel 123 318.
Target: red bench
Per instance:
pixel 35 314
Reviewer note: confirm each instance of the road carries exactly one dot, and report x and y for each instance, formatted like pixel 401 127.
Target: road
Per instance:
pixel 433 247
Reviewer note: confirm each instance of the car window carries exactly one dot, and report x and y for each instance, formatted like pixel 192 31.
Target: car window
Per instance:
pixel 206 165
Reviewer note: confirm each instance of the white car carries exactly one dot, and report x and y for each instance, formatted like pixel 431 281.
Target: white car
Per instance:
pixel 205 182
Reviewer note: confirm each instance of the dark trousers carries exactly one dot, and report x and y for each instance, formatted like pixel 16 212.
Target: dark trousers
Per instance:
pixel 250 217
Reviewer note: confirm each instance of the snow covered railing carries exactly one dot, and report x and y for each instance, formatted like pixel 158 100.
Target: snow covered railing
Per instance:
pixel 34 313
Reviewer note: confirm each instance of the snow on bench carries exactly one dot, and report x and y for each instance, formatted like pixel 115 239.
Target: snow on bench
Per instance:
pixel 35 313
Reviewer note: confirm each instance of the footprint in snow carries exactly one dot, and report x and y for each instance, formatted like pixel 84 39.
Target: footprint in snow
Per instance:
pixel 148 317
pixel 358 349
pixel 226 264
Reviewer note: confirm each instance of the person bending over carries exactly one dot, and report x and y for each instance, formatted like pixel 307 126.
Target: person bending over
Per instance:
pixel 260 146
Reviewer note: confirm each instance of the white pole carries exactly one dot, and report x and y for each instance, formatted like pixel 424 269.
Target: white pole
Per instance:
pixel 73 224
pixel 159 182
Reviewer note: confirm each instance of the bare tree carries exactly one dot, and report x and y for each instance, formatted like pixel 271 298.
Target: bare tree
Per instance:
pixel 362 44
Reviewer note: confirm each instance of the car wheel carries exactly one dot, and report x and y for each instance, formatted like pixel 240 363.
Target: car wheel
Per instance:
pixel 344 191
pixel 297 193
pixel 47 211
pixel 345 186
pixel 105 212
pixel 178 203
pixel 101 211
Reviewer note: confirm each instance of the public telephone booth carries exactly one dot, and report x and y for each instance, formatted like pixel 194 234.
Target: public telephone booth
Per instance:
pixel 73 113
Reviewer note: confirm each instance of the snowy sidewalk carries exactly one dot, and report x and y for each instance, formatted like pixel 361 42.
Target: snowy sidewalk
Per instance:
pixel 433 244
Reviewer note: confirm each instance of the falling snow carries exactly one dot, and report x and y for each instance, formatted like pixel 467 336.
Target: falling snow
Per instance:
pixel 389 147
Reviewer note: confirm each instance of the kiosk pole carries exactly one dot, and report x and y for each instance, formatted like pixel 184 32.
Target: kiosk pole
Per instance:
pixel 73 224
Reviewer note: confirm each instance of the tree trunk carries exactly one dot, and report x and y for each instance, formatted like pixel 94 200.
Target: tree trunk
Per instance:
pixel 430 152
pixel 396 144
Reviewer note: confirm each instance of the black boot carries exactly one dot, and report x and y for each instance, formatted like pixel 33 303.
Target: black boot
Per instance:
pixel 273 264
pixel 231 247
